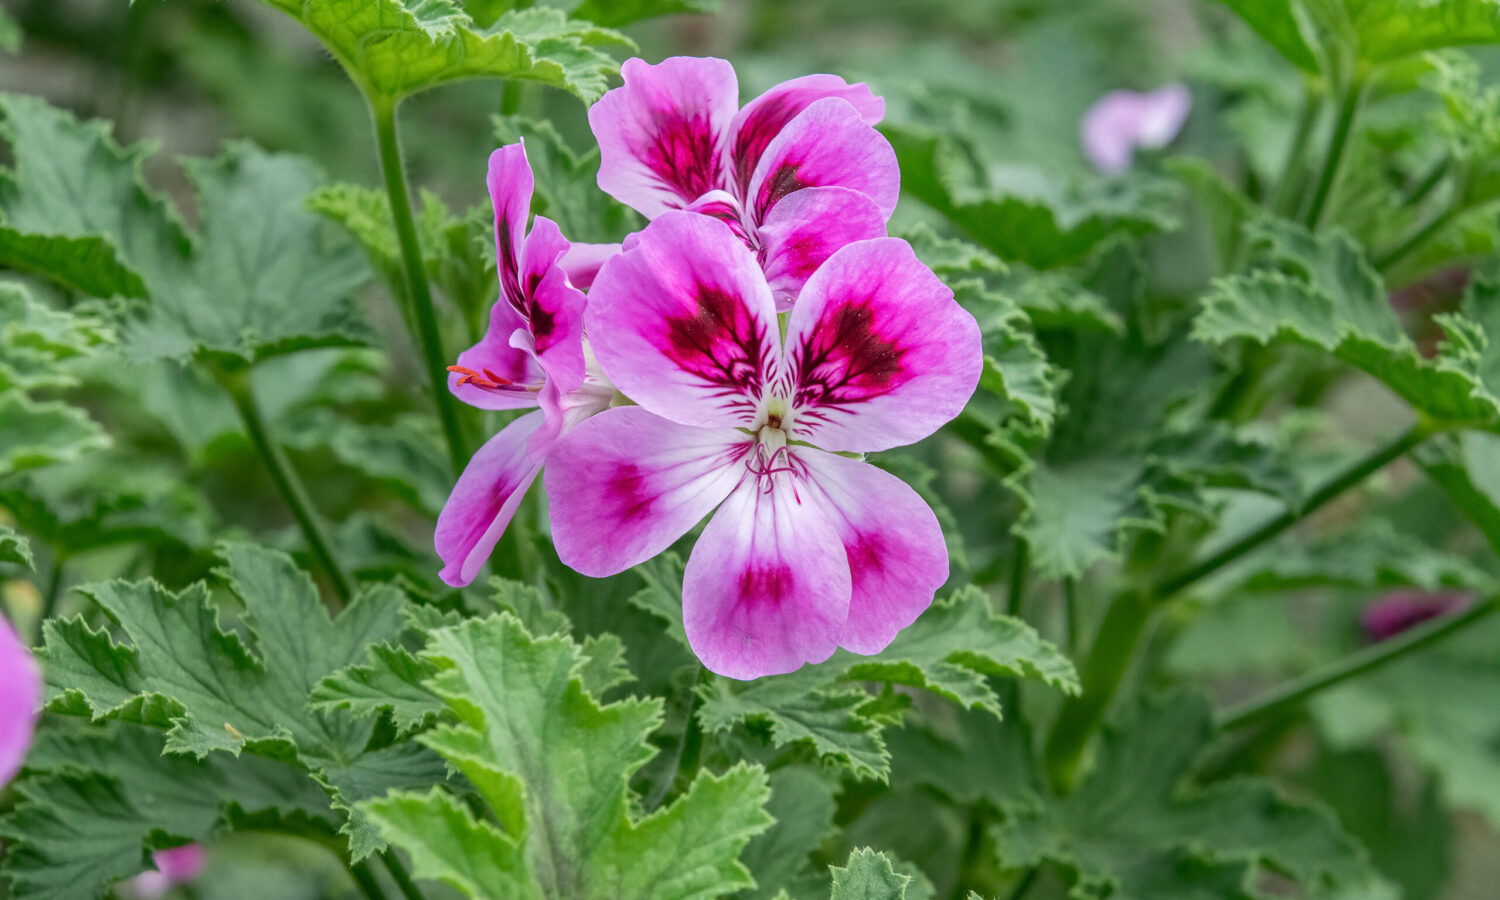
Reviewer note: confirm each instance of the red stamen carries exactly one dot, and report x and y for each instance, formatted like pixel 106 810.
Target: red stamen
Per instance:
pixel 488 381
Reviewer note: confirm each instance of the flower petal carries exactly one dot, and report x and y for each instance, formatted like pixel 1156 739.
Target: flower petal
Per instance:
pixel 624 485
pixel 756 125
pixel 554 307
pixel 1121 121
pixel 880 353
pixel 805 229
pixel 20 701
pixel 582 262
pixel 894 544
pixel 683 322
pixel 499 371
pixel 511 185
pixel 485 498
pixel 663 134
pixel 766 589
pixel 827 145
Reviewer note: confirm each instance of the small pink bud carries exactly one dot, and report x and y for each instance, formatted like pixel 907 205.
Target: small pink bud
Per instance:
pixel 1122 121
pixel 1399 610
pixel 177 865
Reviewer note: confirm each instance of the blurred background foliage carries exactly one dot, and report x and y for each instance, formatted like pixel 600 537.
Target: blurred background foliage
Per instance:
pixel 1407 760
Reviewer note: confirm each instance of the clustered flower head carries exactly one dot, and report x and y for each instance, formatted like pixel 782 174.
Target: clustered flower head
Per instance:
pixel 732 361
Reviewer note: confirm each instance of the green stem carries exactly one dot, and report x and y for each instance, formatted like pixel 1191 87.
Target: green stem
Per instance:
pixel 1349 104
pixel 365 880
pixel 1416 240
pixel 1335 486
pixel 1070 610
pixel 1024 885
pixel 1119 633
pixel 435 360
pixel 409 888
pixel 54 589
pixel 1369 659
pixel 237 384
pixel 1015 603
pixel 1429 182
pixel 1291 170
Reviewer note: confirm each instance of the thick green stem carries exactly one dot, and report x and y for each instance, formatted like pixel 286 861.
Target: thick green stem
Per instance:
pixel 1024 885
pixel 1291 170
pixel 417 288
pixel 1416 240
pixel 408 888
pixel 237 384
pixel 1335 486
pixel 1429 182
pixel 1349 104
pixel 54 589
pixel 1016 602
pixel 1369 659
pixel 365 880
pixel 1119 633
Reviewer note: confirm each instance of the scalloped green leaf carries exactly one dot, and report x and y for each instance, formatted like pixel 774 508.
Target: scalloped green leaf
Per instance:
pixel 554 766
pixel 394 48
pixel 868 875
pixel 1182 841
pixel 41 433
pixel 15 549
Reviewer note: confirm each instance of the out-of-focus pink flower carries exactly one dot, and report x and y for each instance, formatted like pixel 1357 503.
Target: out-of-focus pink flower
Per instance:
pixel 20 701
pixel 1121 121
pixel 1400 610
pixel 175 866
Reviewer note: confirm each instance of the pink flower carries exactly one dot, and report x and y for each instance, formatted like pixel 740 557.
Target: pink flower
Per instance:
pixel 178 865
pixel 1399 610
pixel 797 173
pixel 20 701
pixel 532 355
pixel 1123 120
pixel 810 550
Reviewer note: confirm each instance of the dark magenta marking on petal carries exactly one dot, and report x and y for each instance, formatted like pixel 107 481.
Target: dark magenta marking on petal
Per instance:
pixel 766 585
pixel 776 186
pixel 629 494
pixel 757 131
pixel 866 554
pixel 722 343
pixel 510 268
pixel 684 153
pixel 847 360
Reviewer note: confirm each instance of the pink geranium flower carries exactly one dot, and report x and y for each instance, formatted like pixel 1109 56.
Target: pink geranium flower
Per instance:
pixel 20 701
pixel 532 355
pixel 810 549
pixel 175 866
pixel 1122 121
pixel 797 173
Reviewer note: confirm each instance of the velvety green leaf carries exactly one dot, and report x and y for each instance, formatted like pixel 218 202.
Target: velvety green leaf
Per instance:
pixel 1466 467
pixel 392 48
pixel 1278 22
pixel 1331 299
pixel 38 343
pixel 100 798
pixel 1182 841
pixel 868 876
pixel 952 650
pixel 405 456
pixel 1023 215
pixel 403 766
pixel 802 803
pixel 567 183
pixel 43 433
pixel 267 276
pixel 15 549
pixel 391 678
pixel 1079 513
pixel 179 668
pixel 554 766
pixel 1308 33
pixel 75 208
pixel 1015 367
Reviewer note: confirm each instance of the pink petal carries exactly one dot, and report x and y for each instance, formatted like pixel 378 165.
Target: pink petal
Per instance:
pixel 485 498
pixel 511 185
pixel 663 134
pixel 20 701
pixel 683 322
pixel 880 353
pixel 897 557
pixel 766 589
pixel 827 145
pixel 805 229
pixel 1121 121
pixel 763 118
pixel 723 206
pixel 626 484
pixel 554 307
pixel 501 354
pixel 582 262
pixel 181 864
